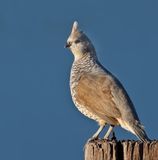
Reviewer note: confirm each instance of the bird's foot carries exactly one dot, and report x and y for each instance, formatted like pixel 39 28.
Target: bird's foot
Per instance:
pixel 112 138
pixel 106 137
pixel 91 140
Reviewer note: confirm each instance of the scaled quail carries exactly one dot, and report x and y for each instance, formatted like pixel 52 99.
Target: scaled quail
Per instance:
pixel 96 92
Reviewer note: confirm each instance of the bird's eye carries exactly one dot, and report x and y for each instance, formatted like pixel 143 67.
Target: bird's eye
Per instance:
pixel 77 41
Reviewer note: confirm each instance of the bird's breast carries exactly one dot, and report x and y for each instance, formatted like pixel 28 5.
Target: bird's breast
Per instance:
pixel 74 79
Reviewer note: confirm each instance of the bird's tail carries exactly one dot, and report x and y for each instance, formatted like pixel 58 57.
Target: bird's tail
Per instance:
pixel 140 132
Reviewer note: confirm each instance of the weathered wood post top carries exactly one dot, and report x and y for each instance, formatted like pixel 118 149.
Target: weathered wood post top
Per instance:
pixel 121 150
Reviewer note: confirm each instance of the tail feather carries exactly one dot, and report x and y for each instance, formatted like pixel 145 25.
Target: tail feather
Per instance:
pixel 140 132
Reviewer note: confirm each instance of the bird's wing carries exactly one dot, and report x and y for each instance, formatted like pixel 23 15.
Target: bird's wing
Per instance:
pixel 94 92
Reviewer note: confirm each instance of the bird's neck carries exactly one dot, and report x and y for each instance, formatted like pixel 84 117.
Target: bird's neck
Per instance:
pixel 79 67
pixel 85 63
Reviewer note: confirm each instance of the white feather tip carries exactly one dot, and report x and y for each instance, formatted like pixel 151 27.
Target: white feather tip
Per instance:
pixel 75 25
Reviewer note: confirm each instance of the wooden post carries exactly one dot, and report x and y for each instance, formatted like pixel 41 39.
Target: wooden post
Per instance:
pixel 121 150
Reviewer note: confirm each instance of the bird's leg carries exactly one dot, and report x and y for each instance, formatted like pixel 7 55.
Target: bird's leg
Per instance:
pixel 95 136
pixel 98 132
pixel 108 132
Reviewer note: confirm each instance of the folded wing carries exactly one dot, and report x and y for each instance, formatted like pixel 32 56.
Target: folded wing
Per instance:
pixel 94 93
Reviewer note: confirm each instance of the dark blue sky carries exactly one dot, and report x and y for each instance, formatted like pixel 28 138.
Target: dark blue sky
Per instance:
pixel 37 117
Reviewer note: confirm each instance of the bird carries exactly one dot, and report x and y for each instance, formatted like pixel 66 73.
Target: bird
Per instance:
pixel 96 92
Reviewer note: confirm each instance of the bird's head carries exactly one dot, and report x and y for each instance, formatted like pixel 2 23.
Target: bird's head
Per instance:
pixel 79 43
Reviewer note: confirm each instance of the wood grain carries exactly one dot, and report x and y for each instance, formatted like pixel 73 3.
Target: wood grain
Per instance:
pixel 121 150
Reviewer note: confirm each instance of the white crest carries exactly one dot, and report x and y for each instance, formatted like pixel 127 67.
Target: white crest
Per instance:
pixel 75 26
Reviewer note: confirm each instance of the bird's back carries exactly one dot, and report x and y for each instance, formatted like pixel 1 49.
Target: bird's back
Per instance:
pixel 120 95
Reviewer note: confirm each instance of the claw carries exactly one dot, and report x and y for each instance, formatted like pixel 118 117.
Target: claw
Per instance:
pixel 92 139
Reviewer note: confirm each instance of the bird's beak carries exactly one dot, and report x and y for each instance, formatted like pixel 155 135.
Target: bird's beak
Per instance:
pixel 67 45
